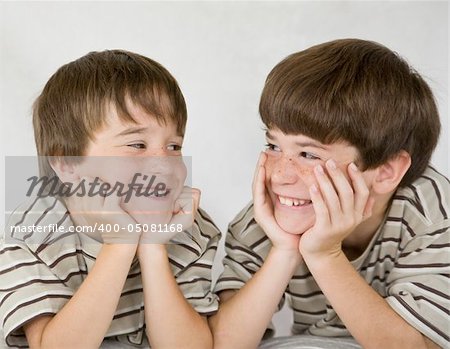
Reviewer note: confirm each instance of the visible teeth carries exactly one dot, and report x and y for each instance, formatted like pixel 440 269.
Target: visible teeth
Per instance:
pixel 292 202
pixel 159 194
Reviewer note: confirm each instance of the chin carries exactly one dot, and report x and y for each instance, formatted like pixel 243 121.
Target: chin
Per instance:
pixel 294 225
pixel 289 227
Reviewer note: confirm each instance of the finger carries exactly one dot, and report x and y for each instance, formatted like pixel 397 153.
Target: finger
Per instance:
pixel 360 188
pixel 183 219
pixel 328 193
pixel 368 210
pixel 94 199
pixel 192 194
pixel 112 202
pixel 196 194
pixel 179 222
pixel 187 200
pixel 319 205
pixel 88 203
pixel 259 191
pixel 261 162
pixel 342 186
pixel 185 207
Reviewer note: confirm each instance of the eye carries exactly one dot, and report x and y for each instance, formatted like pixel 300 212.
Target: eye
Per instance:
pixel 308 156
pixel 174 147
pixel 272 147
pixel 137 145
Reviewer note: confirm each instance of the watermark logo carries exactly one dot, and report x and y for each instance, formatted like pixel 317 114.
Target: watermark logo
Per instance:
pixel 140 185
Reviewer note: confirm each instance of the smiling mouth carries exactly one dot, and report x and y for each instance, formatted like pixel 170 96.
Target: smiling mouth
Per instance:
pixel 161 195
pixel 146 191
pixel 293 202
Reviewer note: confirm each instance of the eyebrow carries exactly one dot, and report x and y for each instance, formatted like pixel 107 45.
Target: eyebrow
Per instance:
pixel 132 130
pixel 301 144
pixel 311 144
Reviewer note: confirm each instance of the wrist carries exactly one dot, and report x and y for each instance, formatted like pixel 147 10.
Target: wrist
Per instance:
pixel 153 251
pixel 286 257
pixel 319 250
pixel 120 250
pixel 324 259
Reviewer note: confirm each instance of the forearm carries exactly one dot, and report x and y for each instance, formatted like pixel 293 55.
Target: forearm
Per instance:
pixel 171 321
pixel 85 319
pixel 242 320
pixel 367 316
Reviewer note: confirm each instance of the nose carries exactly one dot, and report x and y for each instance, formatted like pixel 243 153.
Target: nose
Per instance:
pixel 156 152
pixel 162 165
pixel 284 171
pixel 156 161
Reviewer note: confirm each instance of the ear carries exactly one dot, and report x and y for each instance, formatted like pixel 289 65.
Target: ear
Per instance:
pixel 67 172
pixel 389 175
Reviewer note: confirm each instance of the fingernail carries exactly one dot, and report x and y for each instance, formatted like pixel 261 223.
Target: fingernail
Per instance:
pixel 353 167
pixel 313 188
pixel 319 169
pixel 331 164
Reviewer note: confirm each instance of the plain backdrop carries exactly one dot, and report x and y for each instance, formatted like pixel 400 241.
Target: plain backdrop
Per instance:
pixel 220 53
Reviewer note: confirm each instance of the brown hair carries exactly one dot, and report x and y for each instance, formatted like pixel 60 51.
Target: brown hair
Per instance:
pixel 355 91
pixel 74 102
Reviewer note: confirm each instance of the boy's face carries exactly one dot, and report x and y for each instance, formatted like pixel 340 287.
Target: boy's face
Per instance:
pixel 121 151
pixel 289 174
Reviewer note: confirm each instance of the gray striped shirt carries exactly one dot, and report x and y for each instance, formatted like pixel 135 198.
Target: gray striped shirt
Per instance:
pixel 407 262
pixel 39 278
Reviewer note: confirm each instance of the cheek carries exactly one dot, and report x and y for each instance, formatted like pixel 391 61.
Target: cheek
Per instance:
pixel 303 171
pixel 94 168
pixel 269 167
pixel 180 171
pixel 111 169
pixel 306 174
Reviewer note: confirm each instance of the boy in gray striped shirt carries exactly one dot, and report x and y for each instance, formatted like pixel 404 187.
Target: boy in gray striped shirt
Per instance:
pixel 66 287
pixel 348 220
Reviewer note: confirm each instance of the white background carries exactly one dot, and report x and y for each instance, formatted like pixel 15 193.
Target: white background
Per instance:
pixel 220 53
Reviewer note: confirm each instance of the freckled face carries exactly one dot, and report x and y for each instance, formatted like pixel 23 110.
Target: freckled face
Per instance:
pixel 290 173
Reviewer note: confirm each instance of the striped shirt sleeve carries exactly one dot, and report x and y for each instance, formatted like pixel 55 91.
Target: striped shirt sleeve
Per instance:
pixel 419 284
pixel 192 260
pixel 240 262
pixel 28 289
pixel 246 247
